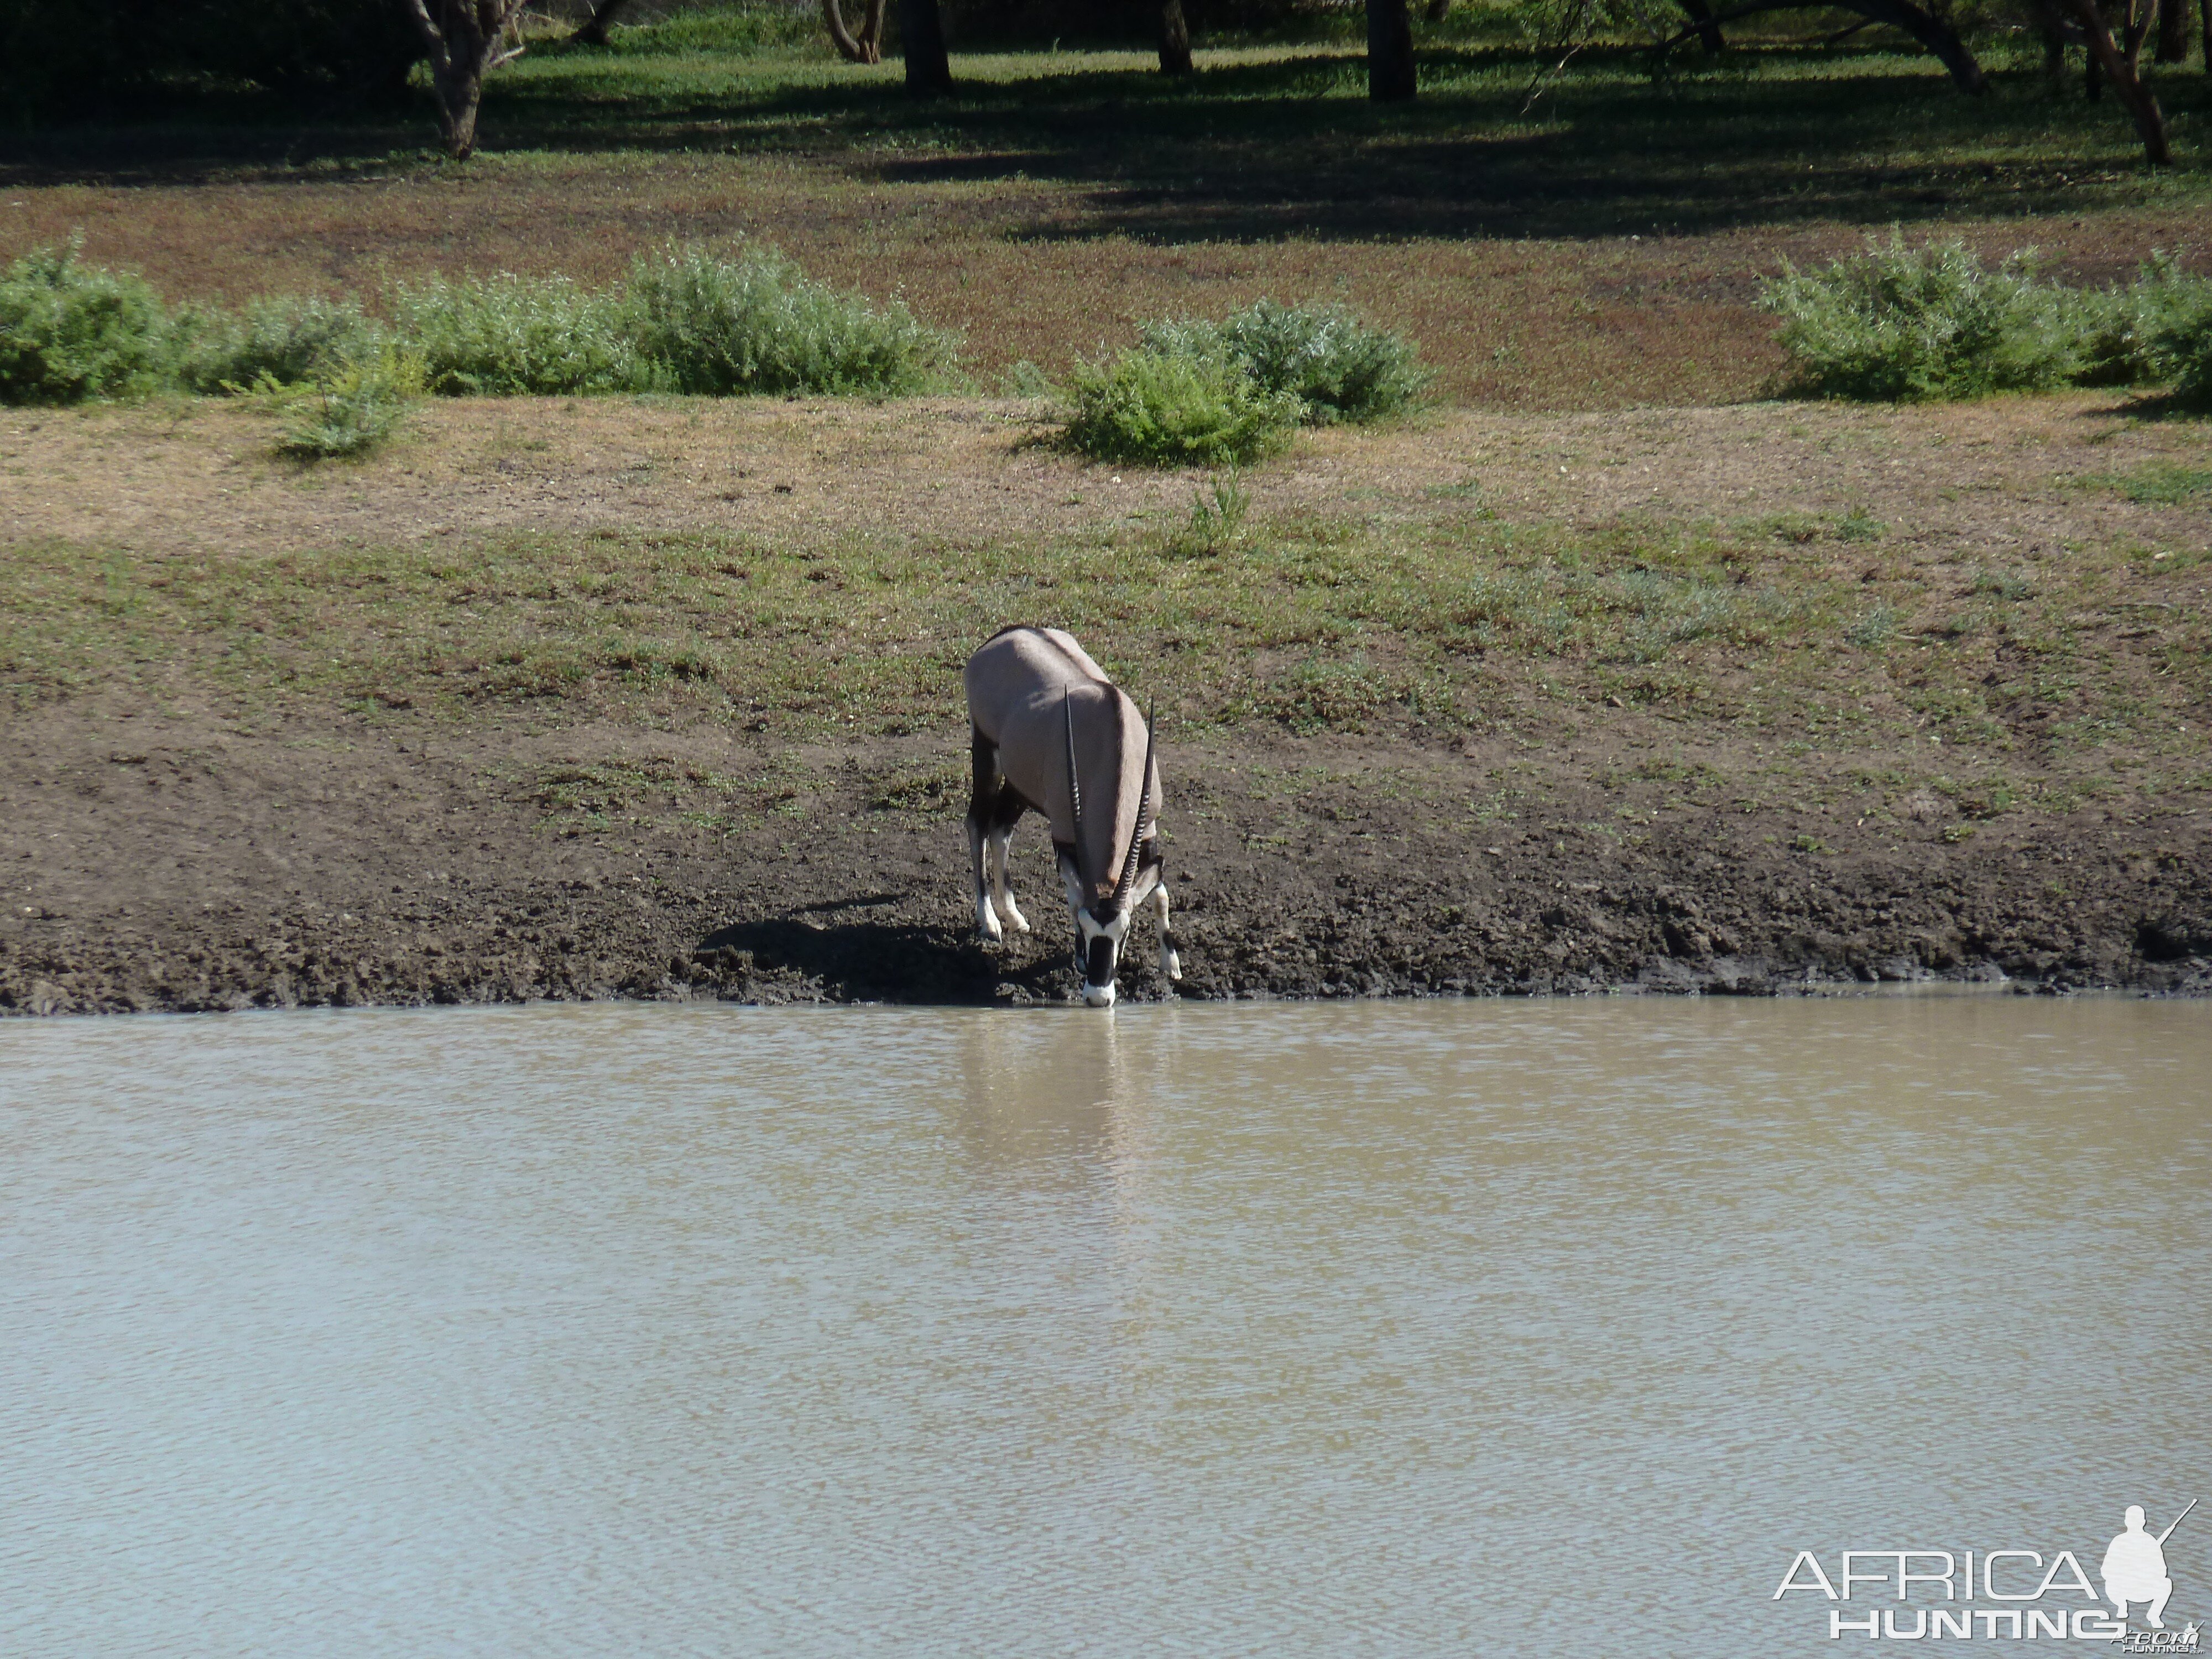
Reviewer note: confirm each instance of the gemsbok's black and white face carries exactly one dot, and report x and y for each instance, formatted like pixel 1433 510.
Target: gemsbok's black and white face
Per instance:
pixel 1102 929
pixel 1052 734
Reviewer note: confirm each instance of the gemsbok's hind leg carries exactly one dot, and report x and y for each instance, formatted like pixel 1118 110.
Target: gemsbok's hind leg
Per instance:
pixel 1011 808
pixel 1171 963
pixel 983 811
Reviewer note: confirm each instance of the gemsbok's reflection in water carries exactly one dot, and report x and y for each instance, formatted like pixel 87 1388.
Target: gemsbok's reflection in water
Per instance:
pixel 1055 1099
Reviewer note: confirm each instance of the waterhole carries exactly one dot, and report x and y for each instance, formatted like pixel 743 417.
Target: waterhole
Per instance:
pixel 1393 1329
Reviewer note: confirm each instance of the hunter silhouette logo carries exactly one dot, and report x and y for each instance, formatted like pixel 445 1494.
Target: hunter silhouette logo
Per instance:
pixel 2135 1567
pixel 2013 1594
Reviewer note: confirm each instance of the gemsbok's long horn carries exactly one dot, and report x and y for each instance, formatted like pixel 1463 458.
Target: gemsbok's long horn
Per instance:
pixel 1074 789
pixel 1144 805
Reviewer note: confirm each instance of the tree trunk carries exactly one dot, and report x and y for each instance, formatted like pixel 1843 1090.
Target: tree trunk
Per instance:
pixel 594 32
pixel 1440 9
pixel 1935 34
pixel 2119 68
pixel 459 95
pixel 1175 39
pixel 921 38
pixel 1708 31
pixel 2172 32
pixel 1930 30
pixel 867 47
pixel 464 38
pixel 1389 52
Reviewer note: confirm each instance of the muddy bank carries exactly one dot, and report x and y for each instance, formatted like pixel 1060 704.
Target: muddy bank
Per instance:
pixel 183 862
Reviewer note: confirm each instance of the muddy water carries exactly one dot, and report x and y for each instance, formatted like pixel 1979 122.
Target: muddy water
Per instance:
pixel 1388 1329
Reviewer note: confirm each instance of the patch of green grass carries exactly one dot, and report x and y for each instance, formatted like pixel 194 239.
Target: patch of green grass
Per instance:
pixel 2003 585
pixel 1312 624
pixel 1218 512
pixel 1860 525
pixel 2158 483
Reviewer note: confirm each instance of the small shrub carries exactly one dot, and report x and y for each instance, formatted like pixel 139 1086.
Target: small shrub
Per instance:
pixel 2180 334
pixel 279 338
pixel 354 408
pixel 756 324
pixel 2112 347
pixel 1025 380
pixel 1175 409
pixel 2003 585
pixel 1905 325
pixel 2120 332
pixel 1216 516
pixel 1336 366
pixel 1320 695
pixel 69 331
pixel 508 335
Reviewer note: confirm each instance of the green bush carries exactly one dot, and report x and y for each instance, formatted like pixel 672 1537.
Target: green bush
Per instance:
pixel 2111 347
pixel 2126 335
pixel 354 409
pixel 756 324
pixel 1904 325
pixel 1336 366
pixel 508 335
pixel 69 331
pixel 1176 408
pixel 280 337
pixel 2177 323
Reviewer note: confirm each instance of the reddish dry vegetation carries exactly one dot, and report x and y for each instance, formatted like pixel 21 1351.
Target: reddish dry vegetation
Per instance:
pixel 1025 269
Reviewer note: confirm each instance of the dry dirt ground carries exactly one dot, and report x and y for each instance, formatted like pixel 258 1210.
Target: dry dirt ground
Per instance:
pixel 167 842
pixel 1998 482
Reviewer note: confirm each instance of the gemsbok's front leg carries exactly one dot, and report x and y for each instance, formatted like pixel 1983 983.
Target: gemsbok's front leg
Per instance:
pixel 1171 963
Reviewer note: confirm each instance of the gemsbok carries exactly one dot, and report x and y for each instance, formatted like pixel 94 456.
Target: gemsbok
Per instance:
pixel 1052 734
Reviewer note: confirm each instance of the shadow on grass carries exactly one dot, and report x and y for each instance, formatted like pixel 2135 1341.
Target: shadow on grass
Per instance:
pixel 1284 147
